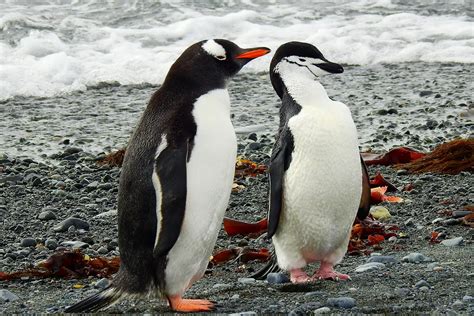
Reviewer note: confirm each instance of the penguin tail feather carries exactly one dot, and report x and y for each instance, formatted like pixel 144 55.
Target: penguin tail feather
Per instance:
pixel 96 302
pixel 270 267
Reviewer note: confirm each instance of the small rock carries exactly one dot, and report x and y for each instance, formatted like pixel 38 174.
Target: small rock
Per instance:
pixel 452 221
pixel 75 244
pixel 28 242
pixel 47 215
pixel 383 259
pixel 51 243
pixel 314 293
pixel 425 93
pixel 458 304
pixel 424 289
pixel 437 220
pixel 304 309
pixel 421 283
pixel 102 283
pixel 457 214
pixel 102 250
pixel 255 146
pixel 235 297
pixel 71 221
pixel 370 267
pixel 7 296
pixel 453 242
pixel 277 278
pixel 409 222
pixel 341 302
pixel 380 213
pixel 416 257
pixel 468 299
pixel 393 239
pixel 252 136
pixel 246 280
pixel 402 292
pixel 322 310
pixel 222 286
pixel 249 313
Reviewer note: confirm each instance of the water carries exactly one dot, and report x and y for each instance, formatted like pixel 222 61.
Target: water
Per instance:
pixel 52 47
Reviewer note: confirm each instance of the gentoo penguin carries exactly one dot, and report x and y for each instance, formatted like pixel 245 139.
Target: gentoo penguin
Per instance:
pixel 318 181
pixel 176 179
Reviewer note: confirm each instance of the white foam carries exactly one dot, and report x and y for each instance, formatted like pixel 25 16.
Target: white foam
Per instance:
pixel 76 51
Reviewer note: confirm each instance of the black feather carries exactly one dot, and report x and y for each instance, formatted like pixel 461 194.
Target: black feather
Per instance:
pixel 96 302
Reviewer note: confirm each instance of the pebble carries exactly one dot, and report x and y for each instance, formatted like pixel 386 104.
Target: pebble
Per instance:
pixel 314 293
pixel 468 299
pixel 383 259
pixel 246 280
pixel 7 296
pixel 341 302
pixel 453 242
pixel 380 213
pixel 305 308
pixel 409 222
pixel 249 313
pixel 277 278
pixel 47 215
pixel 75 244
pixel 51 243
pixel 457 214
pixel 235 297
pixel 424 289
pixel 371 266
pixel 458 304
pixel 28 242
pixel 416 257
pixel 421 283
pixel 71 221
pixel 322 310
pixel 102 283
pixel 451 221
pixel 223 286
pixel 102 250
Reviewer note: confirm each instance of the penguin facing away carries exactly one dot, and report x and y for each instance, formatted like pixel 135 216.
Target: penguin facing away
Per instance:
pixel 176 180
pixel 315 155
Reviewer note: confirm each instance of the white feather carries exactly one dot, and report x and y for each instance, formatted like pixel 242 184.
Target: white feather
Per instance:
pixel 210 173
pixel 157 185
pixel 323 185
pixel 214 49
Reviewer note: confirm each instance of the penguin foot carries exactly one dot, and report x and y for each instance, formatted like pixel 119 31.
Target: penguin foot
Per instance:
pixel 326 272
pixel 299 276
pixel 178 304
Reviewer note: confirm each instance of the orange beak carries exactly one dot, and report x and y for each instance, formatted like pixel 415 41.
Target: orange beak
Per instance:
pixel 253 53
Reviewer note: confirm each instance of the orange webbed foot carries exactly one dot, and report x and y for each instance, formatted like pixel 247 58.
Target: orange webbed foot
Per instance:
pixel 178 304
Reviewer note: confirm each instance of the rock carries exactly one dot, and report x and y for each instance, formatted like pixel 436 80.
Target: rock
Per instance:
pixel 7 296
pixel 453 242
pixel 402 292
pixel 71 221
pixel 452 221
pixel 314 293
pixel 421 283
pixel 75 244
pixel 458 304
pixel 47 215
pixel 305 308
pixel 382 112
pixel 222 286
pixel 431 124
pixel 254 146
pixel 371 266
pixel 383 259
pixel 235 297
pixel 468 299
pixel 277 278
pixel 249 313
pixel 28 242
pixel 252 136
pixel 416 257
pixel 102 250
pixel 102 283
pixel 425 93
pixel 322 310
pixel 409 222
pixel 341 302
pixel 51 243
pixel 424 289
pixel 457 214
pixel 246 280
pixel 71 150
pixel 380 213
pixel 392 111
pixel 92 186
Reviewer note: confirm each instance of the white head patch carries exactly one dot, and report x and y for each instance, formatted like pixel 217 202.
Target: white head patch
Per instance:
pixel 214 49
pixel 306 66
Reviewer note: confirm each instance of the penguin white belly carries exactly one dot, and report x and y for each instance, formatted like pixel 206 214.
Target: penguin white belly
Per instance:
pixel 210 173
pixel 321 188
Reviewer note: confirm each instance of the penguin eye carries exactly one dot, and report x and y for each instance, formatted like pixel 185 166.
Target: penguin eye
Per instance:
pixel 220 57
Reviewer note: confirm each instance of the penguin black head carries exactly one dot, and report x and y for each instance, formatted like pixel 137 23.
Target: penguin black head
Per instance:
pixel 212 62
pixel 302 59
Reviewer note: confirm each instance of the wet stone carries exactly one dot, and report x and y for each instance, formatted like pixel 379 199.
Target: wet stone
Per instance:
pixel 47 215
pixel 28 242
pixel 341 302
pixel 453 242
pixel 51 243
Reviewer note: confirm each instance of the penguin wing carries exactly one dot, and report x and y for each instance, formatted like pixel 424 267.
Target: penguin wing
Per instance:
pixel 170 168
pixel 364 205
pixel 279 163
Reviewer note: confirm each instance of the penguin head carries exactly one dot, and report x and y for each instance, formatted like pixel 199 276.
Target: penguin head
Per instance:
pixel 213 62
pixel 301 59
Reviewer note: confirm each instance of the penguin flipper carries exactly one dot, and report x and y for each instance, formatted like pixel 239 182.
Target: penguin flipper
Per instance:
pixel 96 302
pixel 170 167
pixel 280 160
pixel 364 205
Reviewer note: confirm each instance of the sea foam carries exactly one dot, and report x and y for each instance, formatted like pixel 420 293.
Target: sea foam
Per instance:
pixel 40 59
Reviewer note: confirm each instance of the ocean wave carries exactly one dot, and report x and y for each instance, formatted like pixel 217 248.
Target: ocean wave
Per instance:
pixel 37 59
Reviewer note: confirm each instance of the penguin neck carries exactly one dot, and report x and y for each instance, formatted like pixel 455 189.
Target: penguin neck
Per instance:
pixel 305 89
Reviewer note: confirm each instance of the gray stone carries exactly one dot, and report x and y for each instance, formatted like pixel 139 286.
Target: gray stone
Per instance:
pixel 51 243
pixel 458 304
pixel 409 222
pixel 7 296
pixel 71 221
pixel 468 299
pixel 322 310
pixel 246 280
pixel 341 302
pixel 452 221
pixel 277 278
pixel 383 259
pixel 102 250
pixel 416 257
pixel 453 242
pixel 47 215
pixel 75 244
pixel 102 283
pixel 222 286
pixel 457 214
pixel 424 289
pixel 371 266
pixel 305 308
pixel 249 313
pixel 402 292
pixel 255 146
pixel 28 242
pixel 421 283
pixel 314 293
